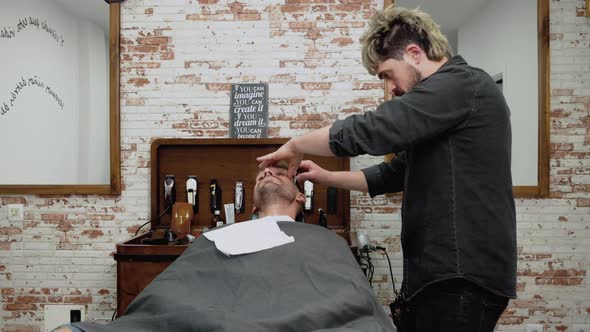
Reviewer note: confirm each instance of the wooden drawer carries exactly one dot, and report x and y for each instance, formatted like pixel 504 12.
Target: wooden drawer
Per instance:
pixel 138 265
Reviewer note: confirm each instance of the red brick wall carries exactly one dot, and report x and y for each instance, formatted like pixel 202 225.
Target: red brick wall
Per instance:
pixel 178 59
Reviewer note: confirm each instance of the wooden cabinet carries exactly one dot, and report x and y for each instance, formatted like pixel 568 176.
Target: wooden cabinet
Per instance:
pixel 227 161
pixel 138 265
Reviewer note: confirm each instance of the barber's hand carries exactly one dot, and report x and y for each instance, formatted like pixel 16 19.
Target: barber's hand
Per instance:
pixel 286 152
pixel 312 172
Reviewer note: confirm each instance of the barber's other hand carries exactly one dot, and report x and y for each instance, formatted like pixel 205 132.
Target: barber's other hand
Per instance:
pixel 312 172
pixel 286 152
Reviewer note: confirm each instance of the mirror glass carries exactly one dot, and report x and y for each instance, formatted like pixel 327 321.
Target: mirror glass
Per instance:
pixel 54 93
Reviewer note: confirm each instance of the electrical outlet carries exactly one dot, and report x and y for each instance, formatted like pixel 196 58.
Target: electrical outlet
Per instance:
pixel 57 315
pixel 15 212
pixel 534 328
pixel 581 328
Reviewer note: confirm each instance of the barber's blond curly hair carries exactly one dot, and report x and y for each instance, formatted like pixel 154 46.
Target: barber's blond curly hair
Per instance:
pixel 393 28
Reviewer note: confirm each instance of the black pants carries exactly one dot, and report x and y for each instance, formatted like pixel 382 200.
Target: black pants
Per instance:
pixel 454 305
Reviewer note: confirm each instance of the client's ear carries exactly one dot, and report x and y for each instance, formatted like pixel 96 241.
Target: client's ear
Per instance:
pixel 300 198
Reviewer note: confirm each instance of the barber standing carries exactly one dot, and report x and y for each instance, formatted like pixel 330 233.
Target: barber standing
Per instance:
pixel 449 127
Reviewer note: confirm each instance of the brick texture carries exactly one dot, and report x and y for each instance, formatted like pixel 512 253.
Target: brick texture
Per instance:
pixel 177 62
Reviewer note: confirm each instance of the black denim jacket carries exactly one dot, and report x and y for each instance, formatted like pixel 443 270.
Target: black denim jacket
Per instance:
pixel 452 137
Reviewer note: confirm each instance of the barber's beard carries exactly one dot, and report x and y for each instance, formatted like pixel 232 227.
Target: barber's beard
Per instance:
pixel 414 76
pixel 272 193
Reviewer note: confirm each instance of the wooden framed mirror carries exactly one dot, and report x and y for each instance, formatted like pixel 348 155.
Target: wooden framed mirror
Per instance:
pixel 59 97
pixel 510 41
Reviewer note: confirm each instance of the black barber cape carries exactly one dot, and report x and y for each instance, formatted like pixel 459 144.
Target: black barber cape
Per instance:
pixel 312 284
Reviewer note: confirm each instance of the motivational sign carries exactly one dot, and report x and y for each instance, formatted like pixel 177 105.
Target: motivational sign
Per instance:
pixel 248 112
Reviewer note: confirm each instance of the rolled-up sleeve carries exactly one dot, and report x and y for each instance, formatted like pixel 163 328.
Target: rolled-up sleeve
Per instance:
pixel 386 177
pixel 435 105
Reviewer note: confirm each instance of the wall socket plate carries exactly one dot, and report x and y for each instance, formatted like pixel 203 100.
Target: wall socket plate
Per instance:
pixel 581 328
pixel 534 328
pixel 56 315
pixel 16 212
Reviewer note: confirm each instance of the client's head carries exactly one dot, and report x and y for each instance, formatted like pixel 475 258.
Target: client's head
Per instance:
pixel 275 193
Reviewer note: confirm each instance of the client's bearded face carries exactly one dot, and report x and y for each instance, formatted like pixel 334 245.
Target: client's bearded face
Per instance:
pixel 273 185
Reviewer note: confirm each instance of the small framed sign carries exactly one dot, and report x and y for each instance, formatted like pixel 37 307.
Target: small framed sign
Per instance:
pixel 248 111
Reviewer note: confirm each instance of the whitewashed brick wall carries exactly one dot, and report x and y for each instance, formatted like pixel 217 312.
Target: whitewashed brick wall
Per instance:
pixel 178 59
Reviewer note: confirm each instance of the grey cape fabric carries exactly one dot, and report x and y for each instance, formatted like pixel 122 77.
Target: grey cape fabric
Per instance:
pixel 312 284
